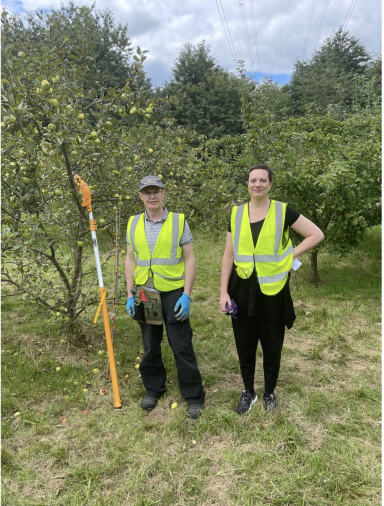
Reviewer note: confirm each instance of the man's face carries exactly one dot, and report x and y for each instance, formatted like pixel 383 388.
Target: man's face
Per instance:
pixel 153 197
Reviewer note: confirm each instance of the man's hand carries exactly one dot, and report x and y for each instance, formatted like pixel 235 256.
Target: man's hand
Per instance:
pixel 183 304
pixel 131 306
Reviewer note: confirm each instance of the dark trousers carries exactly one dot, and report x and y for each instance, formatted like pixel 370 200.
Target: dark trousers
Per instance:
pixel 179 335
pixel 268 328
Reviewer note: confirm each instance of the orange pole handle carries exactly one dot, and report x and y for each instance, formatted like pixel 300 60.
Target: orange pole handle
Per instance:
pixel 111 354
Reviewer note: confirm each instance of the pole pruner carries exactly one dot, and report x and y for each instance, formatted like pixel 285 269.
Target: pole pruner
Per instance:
pixel 84 189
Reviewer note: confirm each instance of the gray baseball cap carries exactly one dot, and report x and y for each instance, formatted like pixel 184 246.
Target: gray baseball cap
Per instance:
pixel 150 181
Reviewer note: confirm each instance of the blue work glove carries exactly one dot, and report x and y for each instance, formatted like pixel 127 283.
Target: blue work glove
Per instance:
pixel 183 304
pixel 131 306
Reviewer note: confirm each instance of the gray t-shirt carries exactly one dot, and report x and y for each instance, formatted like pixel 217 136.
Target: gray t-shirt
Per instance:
pixel 152 231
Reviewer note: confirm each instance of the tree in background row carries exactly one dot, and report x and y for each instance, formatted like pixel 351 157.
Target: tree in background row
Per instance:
pixel 209 97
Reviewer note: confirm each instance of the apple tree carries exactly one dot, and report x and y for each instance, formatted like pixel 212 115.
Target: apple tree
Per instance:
pixel 53 128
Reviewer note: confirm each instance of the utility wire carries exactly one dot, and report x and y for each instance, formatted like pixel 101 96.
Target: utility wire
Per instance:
pixel 256 38
pixel 228 35
pixel 354 2
pixel 321 23
pixel 246 33
pixel 309 28
pixel 281 38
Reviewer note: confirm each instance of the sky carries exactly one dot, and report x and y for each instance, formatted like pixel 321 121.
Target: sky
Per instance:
pixel 269 36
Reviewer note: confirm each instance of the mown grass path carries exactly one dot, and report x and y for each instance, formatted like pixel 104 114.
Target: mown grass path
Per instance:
pixel 64 445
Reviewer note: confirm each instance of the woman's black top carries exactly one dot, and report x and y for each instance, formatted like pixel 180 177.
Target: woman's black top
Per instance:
pixel 248 290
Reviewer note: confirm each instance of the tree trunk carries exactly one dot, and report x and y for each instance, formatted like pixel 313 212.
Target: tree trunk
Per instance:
pixel 313 276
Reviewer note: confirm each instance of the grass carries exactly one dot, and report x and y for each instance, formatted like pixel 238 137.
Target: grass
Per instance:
pixel 69 447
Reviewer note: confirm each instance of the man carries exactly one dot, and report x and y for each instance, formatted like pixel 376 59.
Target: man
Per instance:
pixel 160 269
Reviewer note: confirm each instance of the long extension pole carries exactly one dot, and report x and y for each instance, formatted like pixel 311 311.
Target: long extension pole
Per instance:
pixel 84 188
pixel 116 278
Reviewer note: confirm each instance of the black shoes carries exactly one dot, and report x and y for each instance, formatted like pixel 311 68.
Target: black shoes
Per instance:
pixel 270 402
pixel 194 410
pixel 246 402
pixel 148 403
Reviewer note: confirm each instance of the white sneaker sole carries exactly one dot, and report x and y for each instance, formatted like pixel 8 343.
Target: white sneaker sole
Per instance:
pixel 252 403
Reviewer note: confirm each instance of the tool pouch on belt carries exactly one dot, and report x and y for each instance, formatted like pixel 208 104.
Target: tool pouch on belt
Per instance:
pixel 148 308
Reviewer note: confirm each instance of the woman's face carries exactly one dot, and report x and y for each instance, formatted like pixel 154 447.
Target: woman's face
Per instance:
pixel 258 183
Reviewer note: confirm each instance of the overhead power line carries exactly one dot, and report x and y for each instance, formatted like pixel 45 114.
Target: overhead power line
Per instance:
pixel 321 23
pixel 349 14
pixel 246 33
pixel 256 38
pixel 309 28
pixel 281 37
pixel 228 35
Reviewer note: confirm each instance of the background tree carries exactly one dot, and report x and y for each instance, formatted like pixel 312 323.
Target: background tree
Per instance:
pixel 209 97
pixel 327 78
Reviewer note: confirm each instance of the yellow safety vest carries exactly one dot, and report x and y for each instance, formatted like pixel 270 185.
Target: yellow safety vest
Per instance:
pixel 166 264
pixel 273 255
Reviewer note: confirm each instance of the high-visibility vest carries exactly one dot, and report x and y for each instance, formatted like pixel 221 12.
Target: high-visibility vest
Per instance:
pixel 166 264
pixel 273 255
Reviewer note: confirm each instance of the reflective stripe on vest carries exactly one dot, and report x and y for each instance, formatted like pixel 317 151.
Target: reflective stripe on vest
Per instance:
pixel 271 269
pixel 169 270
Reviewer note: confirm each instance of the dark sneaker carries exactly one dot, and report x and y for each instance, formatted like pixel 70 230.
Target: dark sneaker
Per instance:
pixel 148 403
pixel 246 402
pixel 270 402
pixel 194 410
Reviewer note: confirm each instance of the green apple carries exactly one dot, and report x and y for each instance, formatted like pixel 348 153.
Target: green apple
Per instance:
pixel 4 81
pixel 80 244
pixel 58 314
pixel 150 150
pixel 133 110
pixel 45 84
pixel 37 91
pixel 12 119
pixel 2 124
pixel 51 126
pixel 115 208
pixel 148 116
pixel 56 79
pixel 171 174
pixel 117 196
pixel 129 169
pixel 137 158
pixel 69 107
pixel 54 102
pixel 26 180
pixel 149 110
pixel 58 193
pixel 102 221
pixel 57 369
pixel 174 405
pixel 22 54
pixel 121 111
pixel 97 141
pixel 96 370
pixel 81 116
pixel 160 176
pixel 93 134
pixel 101 352
pixel 44 191
pixel 108 123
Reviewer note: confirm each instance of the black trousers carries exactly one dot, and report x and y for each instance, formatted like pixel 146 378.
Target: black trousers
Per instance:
pixel 179 335
pixel 267 326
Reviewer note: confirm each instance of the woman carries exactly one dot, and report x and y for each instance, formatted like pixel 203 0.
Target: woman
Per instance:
pixel 255 274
